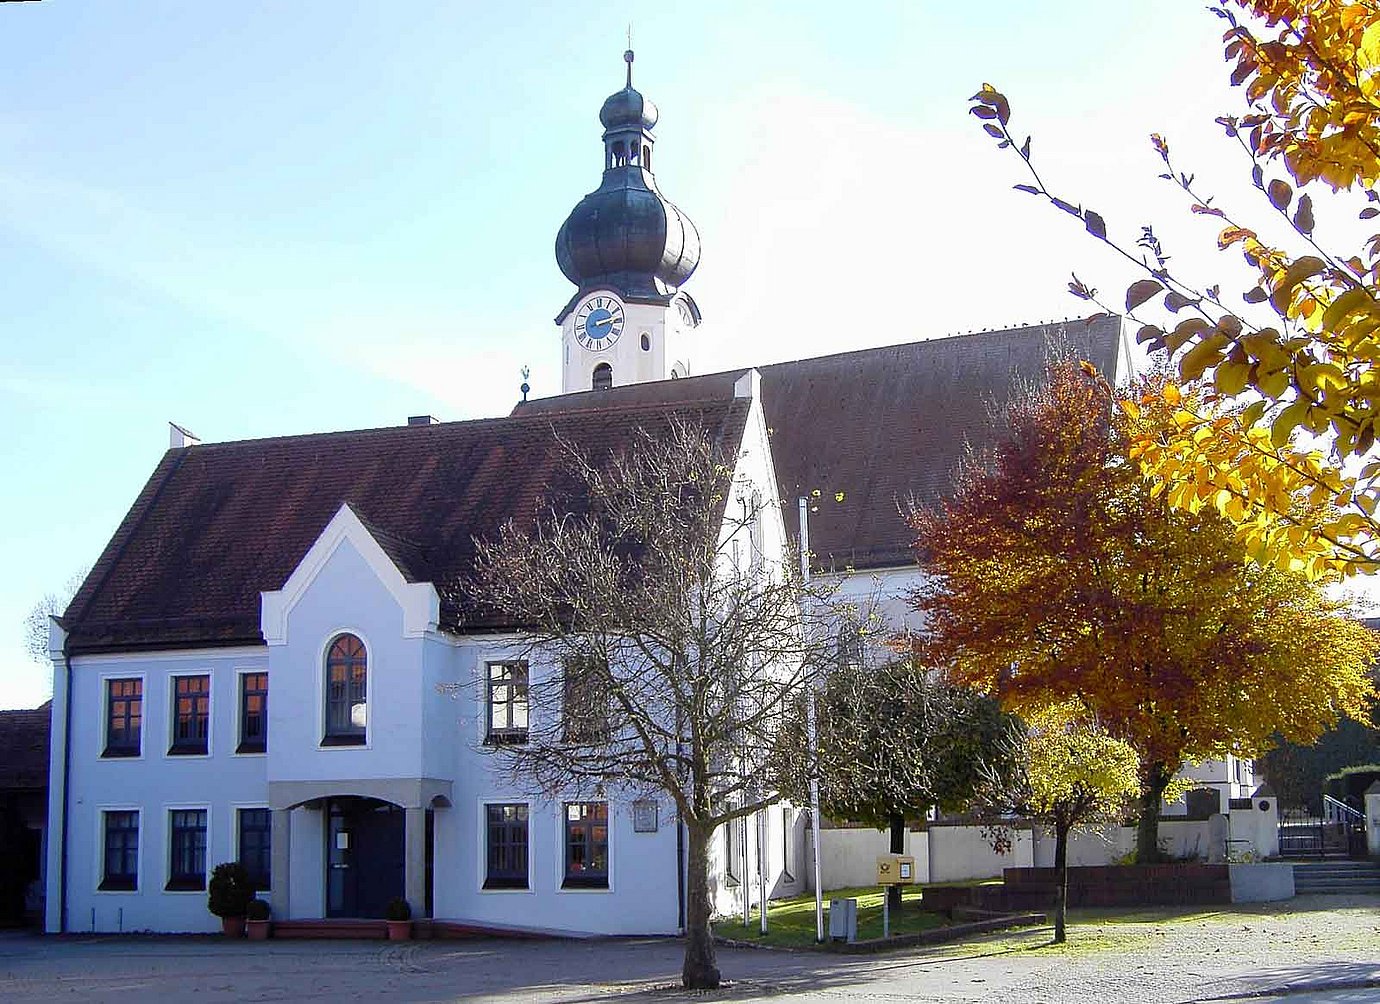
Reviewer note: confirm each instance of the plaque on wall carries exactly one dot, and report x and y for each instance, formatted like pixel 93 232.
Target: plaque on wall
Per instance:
pixel 644 816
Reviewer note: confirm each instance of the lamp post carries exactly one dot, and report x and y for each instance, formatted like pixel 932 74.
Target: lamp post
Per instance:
pixel 811 733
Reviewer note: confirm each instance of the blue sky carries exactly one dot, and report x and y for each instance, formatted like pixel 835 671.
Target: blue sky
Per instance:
pixel 268 218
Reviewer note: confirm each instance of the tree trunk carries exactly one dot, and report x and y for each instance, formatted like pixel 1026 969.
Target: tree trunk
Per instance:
pixel 1154 779
pixel 898 846
pixel 1061 881
pixel 701 970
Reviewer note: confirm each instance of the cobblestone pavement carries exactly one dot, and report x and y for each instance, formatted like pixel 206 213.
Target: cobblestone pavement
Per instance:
pixel 1327 946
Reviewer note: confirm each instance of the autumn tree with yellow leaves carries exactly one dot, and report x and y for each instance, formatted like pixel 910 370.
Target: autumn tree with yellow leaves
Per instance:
pixel 1282 440
pixel 1062 769
pixel 1056 572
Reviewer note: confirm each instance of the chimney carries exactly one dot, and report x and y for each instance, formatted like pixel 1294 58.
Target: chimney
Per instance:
pixel 179 437
pixel 423 420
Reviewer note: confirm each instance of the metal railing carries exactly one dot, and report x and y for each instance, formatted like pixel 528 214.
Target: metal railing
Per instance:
pixel 1337 811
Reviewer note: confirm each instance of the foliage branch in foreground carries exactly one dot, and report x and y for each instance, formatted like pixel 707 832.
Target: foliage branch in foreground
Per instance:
pixel 1282 442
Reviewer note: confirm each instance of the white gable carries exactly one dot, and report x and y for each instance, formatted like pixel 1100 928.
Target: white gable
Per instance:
pixel 419 601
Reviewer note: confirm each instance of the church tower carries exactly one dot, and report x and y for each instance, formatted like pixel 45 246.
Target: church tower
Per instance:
pixel 629 250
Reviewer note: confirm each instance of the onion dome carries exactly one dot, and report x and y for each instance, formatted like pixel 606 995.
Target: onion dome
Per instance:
pixel 625 235
pixel 628 108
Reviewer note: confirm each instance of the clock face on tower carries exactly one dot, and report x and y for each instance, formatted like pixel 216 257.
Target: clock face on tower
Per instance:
pixel 599 321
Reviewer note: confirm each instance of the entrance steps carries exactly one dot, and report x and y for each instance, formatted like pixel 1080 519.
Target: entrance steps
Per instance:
pixel 349 929
pixel 422 930
pixel 1336 877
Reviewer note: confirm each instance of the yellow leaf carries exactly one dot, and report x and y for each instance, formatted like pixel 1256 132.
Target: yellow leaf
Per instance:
pixel 1230 378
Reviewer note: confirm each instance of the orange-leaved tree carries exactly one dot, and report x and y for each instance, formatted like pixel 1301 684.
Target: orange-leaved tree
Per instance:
pixel 1297 351
pixel 1056 572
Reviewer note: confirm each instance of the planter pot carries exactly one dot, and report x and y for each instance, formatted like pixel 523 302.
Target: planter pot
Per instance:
pixel 233 927
pixel 399 930
pixel 257 929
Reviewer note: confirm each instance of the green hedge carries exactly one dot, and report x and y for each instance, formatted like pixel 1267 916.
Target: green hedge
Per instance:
pixel 1350 783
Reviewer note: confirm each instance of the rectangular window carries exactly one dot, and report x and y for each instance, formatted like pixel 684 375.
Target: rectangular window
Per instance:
pixel 585 695
pixel 253 713
pixel 787 844
pixel 586 845
pixel 506 827
pixel 124 717
pixel 186 849
pixel 507 702
pixel 120 863
pixel 256 846
pixel 191 715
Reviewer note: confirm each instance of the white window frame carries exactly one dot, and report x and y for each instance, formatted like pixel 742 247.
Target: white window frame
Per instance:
pixel 561 888
pixel 99 871
pixel 168 809
pixel 235 808
pixel 171 703
pixel 240 673
pixel 369 668
pixel 482 843
pixel 103 699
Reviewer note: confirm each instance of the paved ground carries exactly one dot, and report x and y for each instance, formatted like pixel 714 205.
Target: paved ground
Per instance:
pixel 1323 949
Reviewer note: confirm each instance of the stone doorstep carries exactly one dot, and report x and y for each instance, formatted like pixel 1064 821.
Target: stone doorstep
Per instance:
pixel 422 930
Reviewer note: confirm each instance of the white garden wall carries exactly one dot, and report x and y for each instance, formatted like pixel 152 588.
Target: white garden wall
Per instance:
pixel 848 856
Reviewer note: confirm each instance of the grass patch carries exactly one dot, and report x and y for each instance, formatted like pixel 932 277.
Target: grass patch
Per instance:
pixel 791 922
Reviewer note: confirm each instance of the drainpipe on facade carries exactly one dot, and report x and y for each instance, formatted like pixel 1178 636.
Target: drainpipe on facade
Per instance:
pixel 680 874
pixel 66 786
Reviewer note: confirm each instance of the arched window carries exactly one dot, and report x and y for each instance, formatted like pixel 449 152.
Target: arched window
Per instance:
pixel 347 677
pixel 646 342
pixel 620 154
pixel 647 157
pixel 603 377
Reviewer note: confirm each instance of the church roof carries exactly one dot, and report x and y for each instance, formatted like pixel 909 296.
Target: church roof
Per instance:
pixel 880 425
pixel 218 523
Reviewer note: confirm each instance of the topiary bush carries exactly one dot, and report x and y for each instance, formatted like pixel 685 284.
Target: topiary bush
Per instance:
pixel 258 910
pixel 399 909
pixel 230 890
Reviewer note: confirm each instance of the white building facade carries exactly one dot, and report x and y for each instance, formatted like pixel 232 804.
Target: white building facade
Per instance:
pixel 348 760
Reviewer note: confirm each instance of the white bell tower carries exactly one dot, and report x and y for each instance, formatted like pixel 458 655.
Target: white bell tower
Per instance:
pixel 629 249
pixel 606 338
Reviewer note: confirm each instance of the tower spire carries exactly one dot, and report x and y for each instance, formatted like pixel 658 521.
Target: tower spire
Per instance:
pixel 628 55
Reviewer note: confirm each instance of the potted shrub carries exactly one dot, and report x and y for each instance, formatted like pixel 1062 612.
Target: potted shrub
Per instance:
pixel 399 919
pixel 230 892
pixel 256 923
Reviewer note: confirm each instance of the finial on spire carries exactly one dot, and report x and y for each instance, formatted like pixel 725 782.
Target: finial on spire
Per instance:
pixel 526 387
pixel 628 55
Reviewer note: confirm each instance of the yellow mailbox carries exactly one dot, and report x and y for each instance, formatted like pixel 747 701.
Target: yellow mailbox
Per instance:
pixel 895 869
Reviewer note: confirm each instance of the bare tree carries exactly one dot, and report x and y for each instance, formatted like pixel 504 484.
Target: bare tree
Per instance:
pixel 36 620
pixel 654 617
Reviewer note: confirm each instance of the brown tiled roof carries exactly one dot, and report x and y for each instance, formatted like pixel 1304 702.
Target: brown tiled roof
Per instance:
pixel 219 523
pixel 24 749
pixel 879 425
